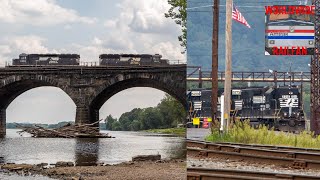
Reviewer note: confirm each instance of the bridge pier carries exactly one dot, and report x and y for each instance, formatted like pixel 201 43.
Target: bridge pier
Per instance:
pixel 2 122
pixel 83 115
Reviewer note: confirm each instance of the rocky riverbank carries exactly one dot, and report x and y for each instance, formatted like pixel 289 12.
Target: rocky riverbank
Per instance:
pixel 157 170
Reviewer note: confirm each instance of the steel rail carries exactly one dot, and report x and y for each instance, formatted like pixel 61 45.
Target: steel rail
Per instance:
pixel 194 173
pixel 254 158
pixel 203 144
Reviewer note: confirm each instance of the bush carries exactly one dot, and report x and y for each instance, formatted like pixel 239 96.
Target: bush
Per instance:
pixel 242 132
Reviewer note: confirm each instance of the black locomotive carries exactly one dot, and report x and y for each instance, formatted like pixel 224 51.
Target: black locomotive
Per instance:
pixel 278 107
pixel 104 60
pixel 46 59
pixel 131 59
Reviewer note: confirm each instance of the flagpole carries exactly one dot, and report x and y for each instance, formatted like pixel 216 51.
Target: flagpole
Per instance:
pixel 228 66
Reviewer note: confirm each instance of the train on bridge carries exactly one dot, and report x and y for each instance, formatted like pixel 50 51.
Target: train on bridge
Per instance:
pixel 277 107
pixel 104 60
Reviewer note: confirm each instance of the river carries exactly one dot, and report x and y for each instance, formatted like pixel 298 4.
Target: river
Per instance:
pixel 125 145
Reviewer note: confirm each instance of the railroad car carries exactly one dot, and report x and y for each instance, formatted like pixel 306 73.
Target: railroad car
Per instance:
pixel 278 107
pixel 289 30
pixel 131 59
pixel 46 59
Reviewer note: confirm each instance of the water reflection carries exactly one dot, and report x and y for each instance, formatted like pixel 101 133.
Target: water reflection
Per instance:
pixel 16 149
pixel 86 151
pixel 1 160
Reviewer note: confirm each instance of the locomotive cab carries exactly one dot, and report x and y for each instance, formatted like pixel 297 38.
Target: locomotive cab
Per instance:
pixel 291 114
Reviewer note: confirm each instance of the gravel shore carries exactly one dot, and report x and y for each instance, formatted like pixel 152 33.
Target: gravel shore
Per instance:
pixel 221 163
pixel 148 170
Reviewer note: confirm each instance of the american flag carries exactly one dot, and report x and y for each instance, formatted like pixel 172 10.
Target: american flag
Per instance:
pixel 236 15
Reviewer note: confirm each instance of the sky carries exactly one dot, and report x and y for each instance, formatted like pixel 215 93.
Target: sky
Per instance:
pixel 88 28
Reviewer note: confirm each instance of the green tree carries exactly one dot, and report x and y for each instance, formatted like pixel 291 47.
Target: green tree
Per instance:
pixel 116 126
pixel 135 125
pixel 178 12
pixel 151 118
pixel 172 112
pixel 109 121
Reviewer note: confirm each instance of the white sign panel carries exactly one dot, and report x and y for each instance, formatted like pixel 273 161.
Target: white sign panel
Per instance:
pixel 195 93
pixel 289 101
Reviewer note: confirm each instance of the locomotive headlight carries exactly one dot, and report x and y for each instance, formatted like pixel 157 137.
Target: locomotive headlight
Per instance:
pixel 310 42
pixel 285 114
pixel 271 42
pixel 294 114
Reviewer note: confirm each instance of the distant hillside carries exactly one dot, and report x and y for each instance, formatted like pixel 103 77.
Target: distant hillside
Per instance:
pixel 247 44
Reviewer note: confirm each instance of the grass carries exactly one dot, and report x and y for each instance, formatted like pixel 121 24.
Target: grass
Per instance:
pixel 242 132
pixel 175 131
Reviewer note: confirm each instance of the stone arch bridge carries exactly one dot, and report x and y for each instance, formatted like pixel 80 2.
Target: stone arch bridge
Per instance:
pixel 89 87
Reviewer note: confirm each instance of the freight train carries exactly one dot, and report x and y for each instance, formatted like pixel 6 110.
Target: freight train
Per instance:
pixel 277 107
pixel 46 59
pixel 131 59
pixel 104 60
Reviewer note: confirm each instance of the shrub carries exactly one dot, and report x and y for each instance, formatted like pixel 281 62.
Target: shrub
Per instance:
pixel 242 132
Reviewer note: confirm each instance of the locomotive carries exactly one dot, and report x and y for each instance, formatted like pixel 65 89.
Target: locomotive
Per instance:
pixel 104 60
pixel 46 59
pixel 277 107
pixel 131 59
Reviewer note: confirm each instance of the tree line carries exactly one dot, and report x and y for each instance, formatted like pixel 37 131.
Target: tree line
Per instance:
pixel 167 114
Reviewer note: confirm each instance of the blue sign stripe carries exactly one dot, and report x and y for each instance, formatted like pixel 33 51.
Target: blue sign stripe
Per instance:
pixel 290 37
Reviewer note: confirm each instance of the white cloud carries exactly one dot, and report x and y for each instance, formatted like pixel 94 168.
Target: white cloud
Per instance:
pixel 28 44
pixel 110 24
pixel 39 13
pixel 12 46
pixel 143 28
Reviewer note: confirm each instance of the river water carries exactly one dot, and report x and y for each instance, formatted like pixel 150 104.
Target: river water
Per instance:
pixel 125 145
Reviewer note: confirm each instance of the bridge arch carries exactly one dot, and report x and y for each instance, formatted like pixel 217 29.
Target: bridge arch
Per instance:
pixel 120 84
pixel 13 86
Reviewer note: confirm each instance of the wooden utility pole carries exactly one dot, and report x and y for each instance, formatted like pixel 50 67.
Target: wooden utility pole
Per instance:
pixel 214 72
pixel 228 66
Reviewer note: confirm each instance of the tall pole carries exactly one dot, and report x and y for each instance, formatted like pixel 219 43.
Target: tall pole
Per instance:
pixel 214 72
pixel 315 74
pixel 228 66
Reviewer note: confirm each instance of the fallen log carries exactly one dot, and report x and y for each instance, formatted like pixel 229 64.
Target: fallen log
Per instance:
pixel 67 131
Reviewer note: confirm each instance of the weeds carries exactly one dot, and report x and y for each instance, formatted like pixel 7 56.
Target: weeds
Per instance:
pixel 242 132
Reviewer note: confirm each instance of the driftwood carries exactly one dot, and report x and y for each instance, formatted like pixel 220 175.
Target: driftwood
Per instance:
pixel 67 131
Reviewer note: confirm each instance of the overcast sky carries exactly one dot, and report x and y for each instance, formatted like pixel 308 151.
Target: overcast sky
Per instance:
pixel 88 28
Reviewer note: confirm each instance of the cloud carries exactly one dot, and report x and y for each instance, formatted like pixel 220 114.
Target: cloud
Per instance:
pixel 12 46
pixel 39 13
pixel 142 27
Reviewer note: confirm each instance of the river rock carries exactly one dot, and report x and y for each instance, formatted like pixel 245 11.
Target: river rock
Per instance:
pixel 146 158
pixel 42 164
pixel 17 167
pixel 64 164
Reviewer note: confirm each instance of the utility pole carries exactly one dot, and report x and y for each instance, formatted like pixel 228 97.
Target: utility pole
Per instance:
pixel 214 71
pixel 227 82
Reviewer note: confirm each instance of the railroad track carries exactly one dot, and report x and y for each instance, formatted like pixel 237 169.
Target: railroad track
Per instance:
pixel 298 158
pixel 203 144
pixel 213 174
pixel 295 158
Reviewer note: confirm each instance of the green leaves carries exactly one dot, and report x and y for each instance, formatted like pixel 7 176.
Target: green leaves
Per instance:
pixel 167 114
pixel 178 12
